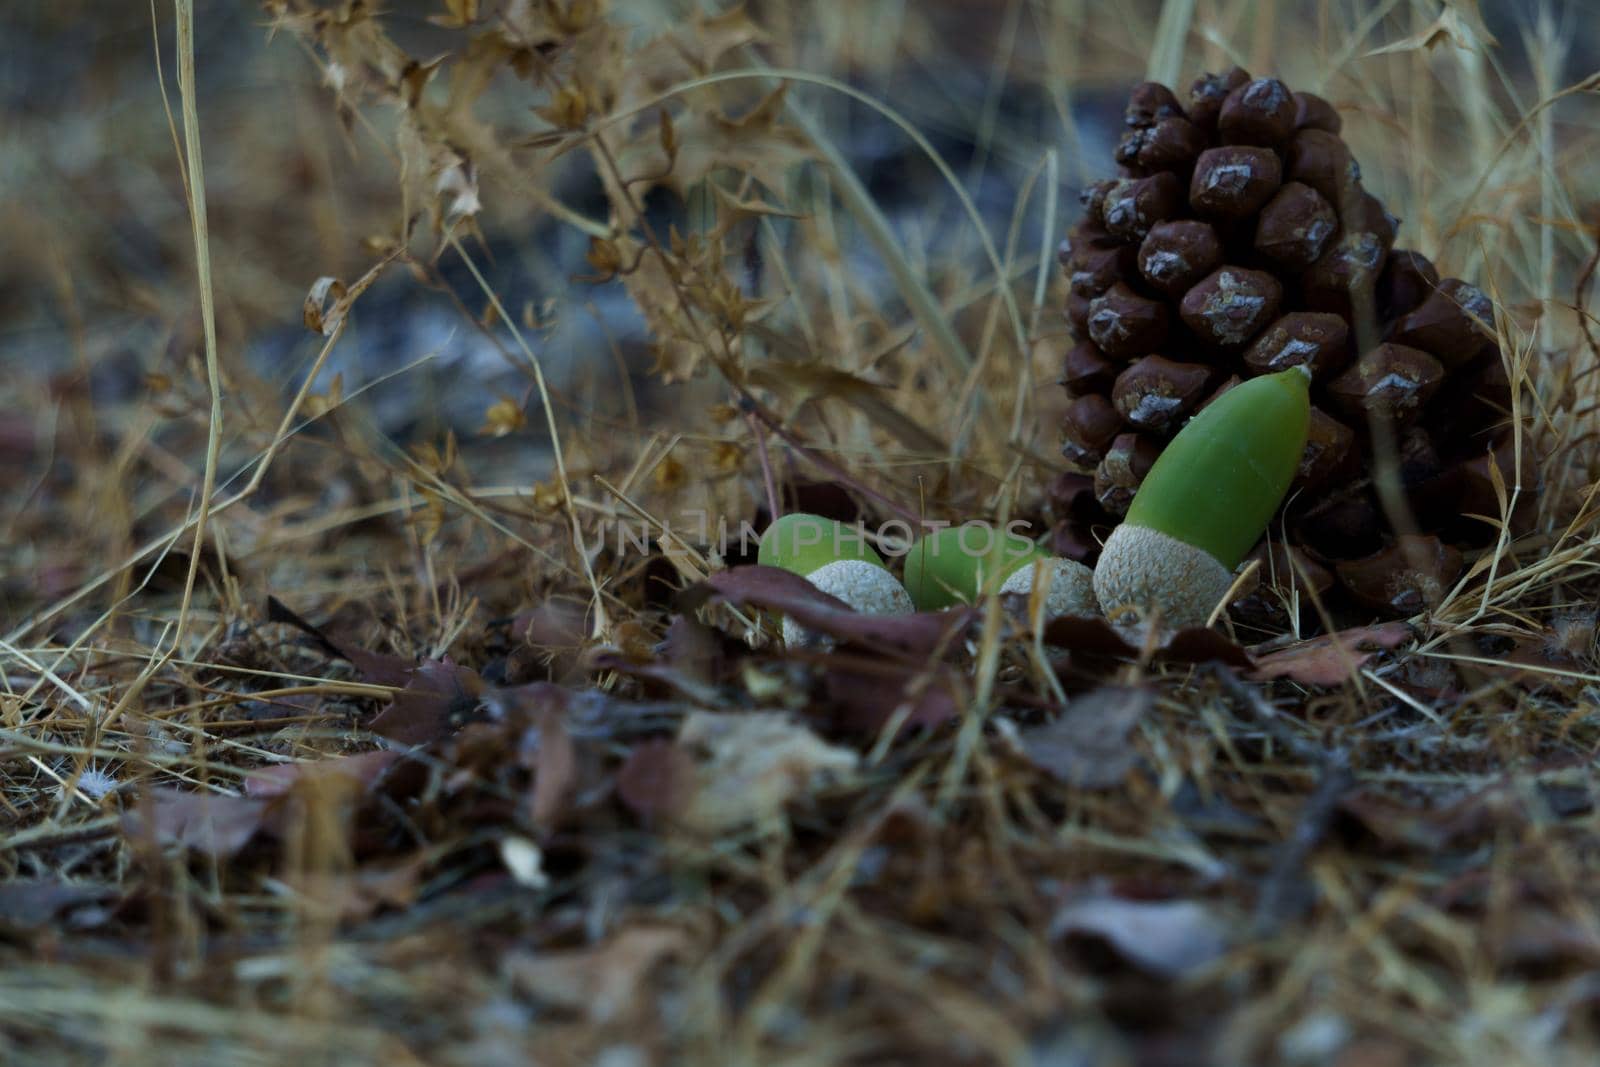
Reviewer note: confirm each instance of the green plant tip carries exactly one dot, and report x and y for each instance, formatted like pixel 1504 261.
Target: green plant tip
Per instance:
pixel 958 564
pixel 805 543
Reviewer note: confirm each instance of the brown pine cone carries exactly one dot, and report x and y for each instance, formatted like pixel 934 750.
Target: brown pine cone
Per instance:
pixel 1238 240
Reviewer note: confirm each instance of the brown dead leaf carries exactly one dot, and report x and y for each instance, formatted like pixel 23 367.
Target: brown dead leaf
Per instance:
pixel 375 667
pixel 1093 636
pixel 357 895
pixel 436 695
pixel 602 982
pixel 1331 659
pixel 35 904
pixel 214 823
pixel 750 766
pixel 329 300
pixel 1088 746
pixel 363 769
pixel 1170 939
pixel 657 779
pixel 864 694
pixel 727 771
pixel 776 589
pixel 555 772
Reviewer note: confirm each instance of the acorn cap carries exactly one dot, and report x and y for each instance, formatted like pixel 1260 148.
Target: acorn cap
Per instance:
pixel 958 564
pixel 1160 575
pixel 863 585
pixel 1071 590
pixel 803 543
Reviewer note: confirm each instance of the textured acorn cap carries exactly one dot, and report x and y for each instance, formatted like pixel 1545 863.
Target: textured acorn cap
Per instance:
pixel 1071 589
pixel 1158 574
pixel 866 587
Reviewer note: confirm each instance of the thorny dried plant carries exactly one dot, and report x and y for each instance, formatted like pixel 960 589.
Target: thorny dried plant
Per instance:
pixel 400 759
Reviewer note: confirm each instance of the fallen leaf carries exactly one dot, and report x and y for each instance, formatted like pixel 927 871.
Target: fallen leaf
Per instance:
pixel 600 982
pixel 33 904
pixel 358 895
pixel 750 766
pixel 555 772
pixel 657 779
pixel 1169 939
pixel 865 695
pixel 1436 823
pixel 214 823
pixel 695 649
pixel 775 589
pixel 363 768
pixel 1094 636
pixel 1331 659
pixel 1087 746
pixel 437 693
pixel 375 667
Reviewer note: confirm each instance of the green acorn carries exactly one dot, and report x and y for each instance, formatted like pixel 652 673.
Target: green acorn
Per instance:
pixel 837 560
pixel 959 564
pixel 1207 501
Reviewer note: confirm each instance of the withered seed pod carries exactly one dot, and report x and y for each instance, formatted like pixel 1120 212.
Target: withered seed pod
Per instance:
pixel 1155 392
pixel 1392 382
pixel 1125 324
pixel 1330 448
pixel 1149 103
pixel 1321 160
pixel 1314 338
pixel 1122 471
pixel 1455 323
pixel 1209 91
pixel 1234 181
pixel 1312 112
pixel 1294 227
pixel 1404 578
pixel 1085 369
pixel 1091 425
pixel 1231 305
pixel 1260 112
pixel 1178 253
pixel 1133 205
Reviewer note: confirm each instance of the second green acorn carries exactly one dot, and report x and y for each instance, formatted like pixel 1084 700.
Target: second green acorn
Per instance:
pixel 959 564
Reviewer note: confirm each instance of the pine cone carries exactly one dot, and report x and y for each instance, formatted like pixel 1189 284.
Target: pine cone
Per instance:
pixel 1238 240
